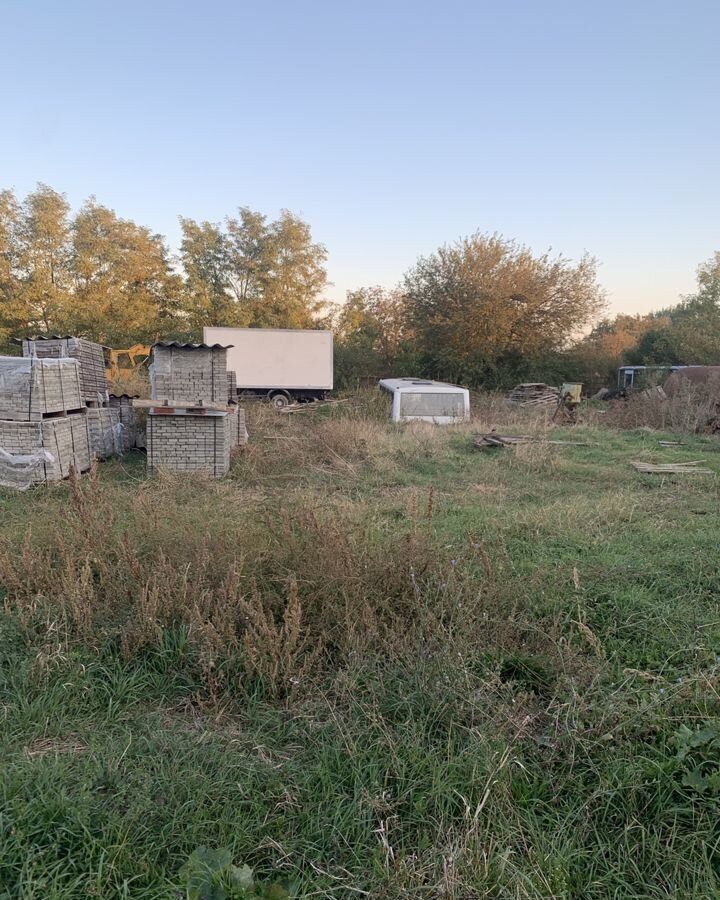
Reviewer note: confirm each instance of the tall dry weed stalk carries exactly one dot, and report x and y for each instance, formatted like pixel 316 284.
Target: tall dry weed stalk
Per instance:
pixel 688 410
pixel 280 596
pixel 285 594
pixel 280 651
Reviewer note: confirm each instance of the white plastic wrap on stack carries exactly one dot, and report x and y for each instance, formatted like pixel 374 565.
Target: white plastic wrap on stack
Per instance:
pixel 42 452
pixel 128 419
pixel 21 470
pixel 89 354
pixel 32 388
pixel 43 427
pixel 106 432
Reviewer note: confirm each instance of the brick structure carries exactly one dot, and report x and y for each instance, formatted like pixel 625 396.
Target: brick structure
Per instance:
pixel 31 389
pixel 189 443
pixel 189 440
pixel 198 435
pixel 90 355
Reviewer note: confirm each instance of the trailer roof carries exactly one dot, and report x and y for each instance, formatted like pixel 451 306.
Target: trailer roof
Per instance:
pixel 419 385
pixel 269 330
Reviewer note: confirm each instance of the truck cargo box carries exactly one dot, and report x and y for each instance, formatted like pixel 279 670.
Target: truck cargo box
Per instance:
pixel 277 359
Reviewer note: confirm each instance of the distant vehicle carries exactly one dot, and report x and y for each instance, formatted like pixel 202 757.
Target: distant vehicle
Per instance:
pixel 282 365
pixel 644 376
pixel 421 400
pixel 125 362
pixel 693 375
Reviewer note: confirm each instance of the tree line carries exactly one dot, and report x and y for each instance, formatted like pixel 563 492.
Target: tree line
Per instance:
pixel 109 279
pixel 484 310
pixel 687 333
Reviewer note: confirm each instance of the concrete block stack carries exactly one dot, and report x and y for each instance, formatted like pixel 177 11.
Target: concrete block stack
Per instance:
pixel 189 372
pixel 89 354
pixel 103 422
pixel 232 387
pixel 197 434
pixel 237 427
pixel 189 443
pixel 105 430
pixel 43 423
pixel 127 418
pixel 31 389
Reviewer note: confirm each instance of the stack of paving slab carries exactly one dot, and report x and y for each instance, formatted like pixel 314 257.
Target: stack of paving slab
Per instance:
pixel 31 389
pixel 43 423
pixel 189 372
pixel 89 354
pixel 196 434
pixel 189 443
pixel 103 422
pixel 232 387
pixel 237 427
pixel 106 432
pixel 126 413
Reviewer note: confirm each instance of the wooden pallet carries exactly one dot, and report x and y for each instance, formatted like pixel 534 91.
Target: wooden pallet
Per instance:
pixel 170 407
pixel 685 468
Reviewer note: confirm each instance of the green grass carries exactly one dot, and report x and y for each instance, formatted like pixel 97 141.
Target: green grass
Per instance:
pixel 514 645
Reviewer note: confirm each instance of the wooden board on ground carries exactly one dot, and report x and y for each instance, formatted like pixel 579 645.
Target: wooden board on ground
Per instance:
pixel 686 468
pixel 486 441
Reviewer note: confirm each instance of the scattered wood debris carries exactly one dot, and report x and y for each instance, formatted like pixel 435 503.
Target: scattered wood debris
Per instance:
pixel 684 468
pixel 485 441
pixel 534 394
pixel 654 393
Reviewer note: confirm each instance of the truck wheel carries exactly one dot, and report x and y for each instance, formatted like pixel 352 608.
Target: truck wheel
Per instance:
pixel 280 401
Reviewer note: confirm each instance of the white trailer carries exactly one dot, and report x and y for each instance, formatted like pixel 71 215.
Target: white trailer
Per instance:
pixel 280 364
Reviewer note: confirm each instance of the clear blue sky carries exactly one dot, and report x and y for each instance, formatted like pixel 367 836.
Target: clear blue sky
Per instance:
pixel 391 127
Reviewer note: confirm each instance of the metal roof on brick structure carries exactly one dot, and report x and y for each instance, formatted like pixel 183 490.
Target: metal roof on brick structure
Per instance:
pixel 178 345
pixel 55 337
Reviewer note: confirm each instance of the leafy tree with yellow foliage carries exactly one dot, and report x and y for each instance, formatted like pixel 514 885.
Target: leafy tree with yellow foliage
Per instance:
pixel 253 272
pixel 486 304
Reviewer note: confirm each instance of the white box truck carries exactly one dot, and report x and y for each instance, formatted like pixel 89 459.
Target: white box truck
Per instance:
pixel 283 365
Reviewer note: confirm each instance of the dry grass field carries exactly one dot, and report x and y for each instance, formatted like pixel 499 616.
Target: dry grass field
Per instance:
pixel 373 662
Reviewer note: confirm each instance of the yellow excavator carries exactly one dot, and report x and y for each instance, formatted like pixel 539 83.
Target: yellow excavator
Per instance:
pixel 121 363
